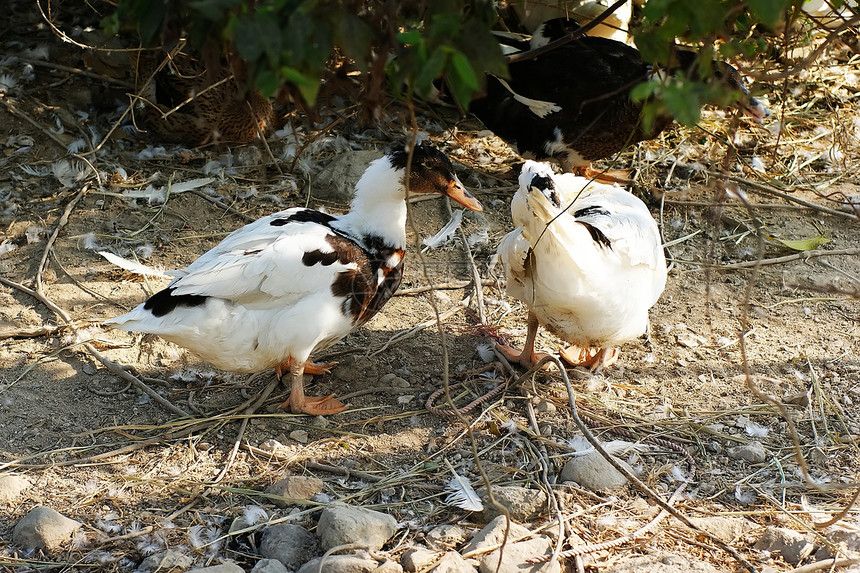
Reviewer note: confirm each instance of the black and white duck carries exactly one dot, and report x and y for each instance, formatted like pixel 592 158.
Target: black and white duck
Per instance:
pixel 295 282
pixel 572 104
pixel 586 258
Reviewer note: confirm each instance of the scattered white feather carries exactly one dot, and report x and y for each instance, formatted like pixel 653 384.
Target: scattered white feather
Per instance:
pixel 7 247
pixel 153 195
pixel 485 353
pixel 479 237
pixel 144 251
pixel 35 171
pixel 757 164
pixel 203 536
pixel 77 145
pixel 7 83
pixel 254 514
pixel 40 52
pixel 34 234
pixel 68 173
pixel 755 430
pixel 510 427
pixel 89 242
pixel 461 494
pixel 746 497
pixel 132 266
pixel 446 233
pixel 248 193
pixel 678 474
pixel 734 192
pixel 190 185
pixel 151 152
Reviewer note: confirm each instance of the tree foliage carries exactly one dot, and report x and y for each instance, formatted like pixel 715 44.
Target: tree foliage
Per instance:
pixel 413 43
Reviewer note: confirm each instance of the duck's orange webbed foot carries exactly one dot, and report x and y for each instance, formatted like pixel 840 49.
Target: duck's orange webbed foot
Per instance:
pixel 527 359
pixel 314 405
pixel 594 359
pixel 620 176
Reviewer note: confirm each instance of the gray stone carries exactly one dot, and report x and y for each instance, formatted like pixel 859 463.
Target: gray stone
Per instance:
pixel 300 436
pixel 515 556
pixel 389 567
pixel 793 546
pixel 663 563
pixel 341 524
pixel 445 536
pixel 752 452
pixel 522 503
pixel 294 487
pixel 44 528
pixel 341 564
pixel 493 534
pixel 418 558
pixel 11 487
pixel 222 568
pixel 166 561
pixel 593 472
pixel 336 182
pixel 269 566
pixel 728 529
pixel 290 544
pixel 452 562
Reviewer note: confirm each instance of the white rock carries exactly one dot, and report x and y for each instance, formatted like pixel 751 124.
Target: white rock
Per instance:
pixel 294 487
pixel 222 568
pixel 44 528
pixel 446 536
pixel 752 452
pixel 418 558
pixel 593 472
pixel 726 528
pixel 523 504
pixel 452 562
pixel 269 566
pixel 340 524
pixel 662 563
pixel 515 556
pixel 170 560
pixel 11 487
pixel 494 533
pixel 343 564
pixel 290 544
pixel 793 546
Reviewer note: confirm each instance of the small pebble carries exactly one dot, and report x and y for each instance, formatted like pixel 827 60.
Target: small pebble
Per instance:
pixel 300 436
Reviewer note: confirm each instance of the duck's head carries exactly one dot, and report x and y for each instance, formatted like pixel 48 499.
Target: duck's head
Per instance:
pixel 536 178
pixel 729 76
pixel 432 172
pixel 552 30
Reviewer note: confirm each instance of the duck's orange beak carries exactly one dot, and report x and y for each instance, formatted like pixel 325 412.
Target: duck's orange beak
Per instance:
pixel 458 193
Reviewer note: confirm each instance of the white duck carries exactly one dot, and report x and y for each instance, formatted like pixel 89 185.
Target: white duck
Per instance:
pixel 294 282
pixel 586 258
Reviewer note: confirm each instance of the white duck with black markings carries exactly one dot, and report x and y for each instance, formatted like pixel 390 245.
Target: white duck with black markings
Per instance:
pixel 586 258
pixel 295 282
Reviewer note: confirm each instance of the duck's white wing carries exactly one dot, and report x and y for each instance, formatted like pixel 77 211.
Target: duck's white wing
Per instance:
pixel 626 224
pixel 286 256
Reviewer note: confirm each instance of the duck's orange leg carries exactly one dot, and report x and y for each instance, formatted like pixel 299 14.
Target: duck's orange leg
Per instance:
pixel 301 404
pixel 310 367
pixel 527 356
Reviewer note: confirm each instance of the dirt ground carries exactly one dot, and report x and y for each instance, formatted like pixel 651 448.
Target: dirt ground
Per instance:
pixel 101 451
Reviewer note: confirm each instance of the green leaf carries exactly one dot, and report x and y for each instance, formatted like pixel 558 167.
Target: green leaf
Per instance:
pixel 410 37
pixel 768 11
pixel 309 87
pixel 431 70
pixel 463 80
pixel 268 82
pixel 355 37
pixel 249 40
pixel 682 103
pixel 802 244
